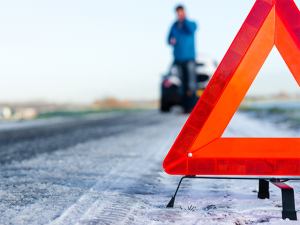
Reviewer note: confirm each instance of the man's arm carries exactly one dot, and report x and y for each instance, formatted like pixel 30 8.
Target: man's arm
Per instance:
pixel 171 38
pixel 189 26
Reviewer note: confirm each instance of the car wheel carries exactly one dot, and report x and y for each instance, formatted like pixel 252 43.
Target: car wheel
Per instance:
pixel 164 107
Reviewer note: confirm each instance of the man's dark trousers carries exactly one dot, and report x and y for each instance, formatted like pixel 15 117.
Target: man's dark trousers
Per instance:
pixel 189 84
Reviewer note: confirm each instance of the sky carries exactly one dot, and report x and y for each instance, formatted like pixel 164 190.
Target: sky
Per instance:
pixel 79 51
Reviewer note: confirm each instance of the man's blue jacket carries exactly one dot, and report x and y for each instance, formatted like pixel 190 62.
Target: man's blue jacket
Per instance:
pixel 183 32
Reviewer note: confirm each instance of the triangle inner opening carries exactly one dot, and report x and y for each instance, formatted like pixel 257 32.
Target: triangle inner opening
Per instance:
pixel 271 107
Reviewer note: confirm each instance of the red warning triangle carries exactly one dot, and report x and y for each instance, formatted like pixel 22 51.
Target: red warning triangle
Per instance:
pixel 199 148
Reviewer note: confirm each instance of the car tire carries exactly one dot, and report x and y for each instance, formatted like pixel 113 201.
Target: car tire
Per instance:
pixel 164 107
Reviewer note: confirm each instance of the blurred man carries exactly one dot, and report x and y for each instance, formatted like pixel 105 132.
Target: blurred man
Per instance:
pixel 182 39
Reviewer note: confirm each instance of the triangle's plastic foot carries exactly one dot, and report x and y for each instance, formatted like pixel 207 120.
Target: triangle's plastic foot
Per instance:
pixel 289 215
pixel 171 203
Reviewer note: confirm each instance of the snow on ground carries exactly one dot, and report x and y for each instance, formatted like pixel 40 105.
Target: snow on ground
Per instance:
pixel 244 125
pixel 120 180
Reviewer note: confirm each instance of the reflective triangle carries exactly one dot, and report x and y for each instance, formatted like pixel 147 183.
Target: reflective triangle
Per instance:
pixel 270 22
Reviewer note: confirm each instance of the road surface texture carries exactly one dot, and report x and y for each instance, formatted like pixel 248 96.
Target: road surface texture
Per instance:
pixel 108 170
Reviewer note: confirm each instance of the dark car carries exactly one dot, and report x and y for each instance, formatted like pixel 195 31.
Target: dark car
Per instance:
pixel 171 85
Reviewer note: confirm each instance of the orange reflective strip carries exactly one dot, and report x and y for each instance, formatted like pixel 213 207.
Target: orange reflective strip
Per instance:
pixel 251 148
pixel 288 47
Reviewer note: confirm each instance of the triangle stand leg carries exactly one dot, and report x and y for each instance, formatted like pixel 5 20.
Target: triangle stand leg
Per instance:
pixel 263 190
pixel 288 200
pixel 172 201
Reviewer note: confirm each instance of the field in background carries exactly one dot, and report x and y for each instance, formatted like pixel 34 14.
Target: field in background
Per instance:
pixel 36 110
pixel 279 110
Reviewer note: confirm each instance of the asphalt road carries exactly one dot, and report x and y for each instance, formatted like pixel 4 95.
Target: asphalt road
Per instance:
pixel 28 140
pixel 108 170
pixel 56 171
